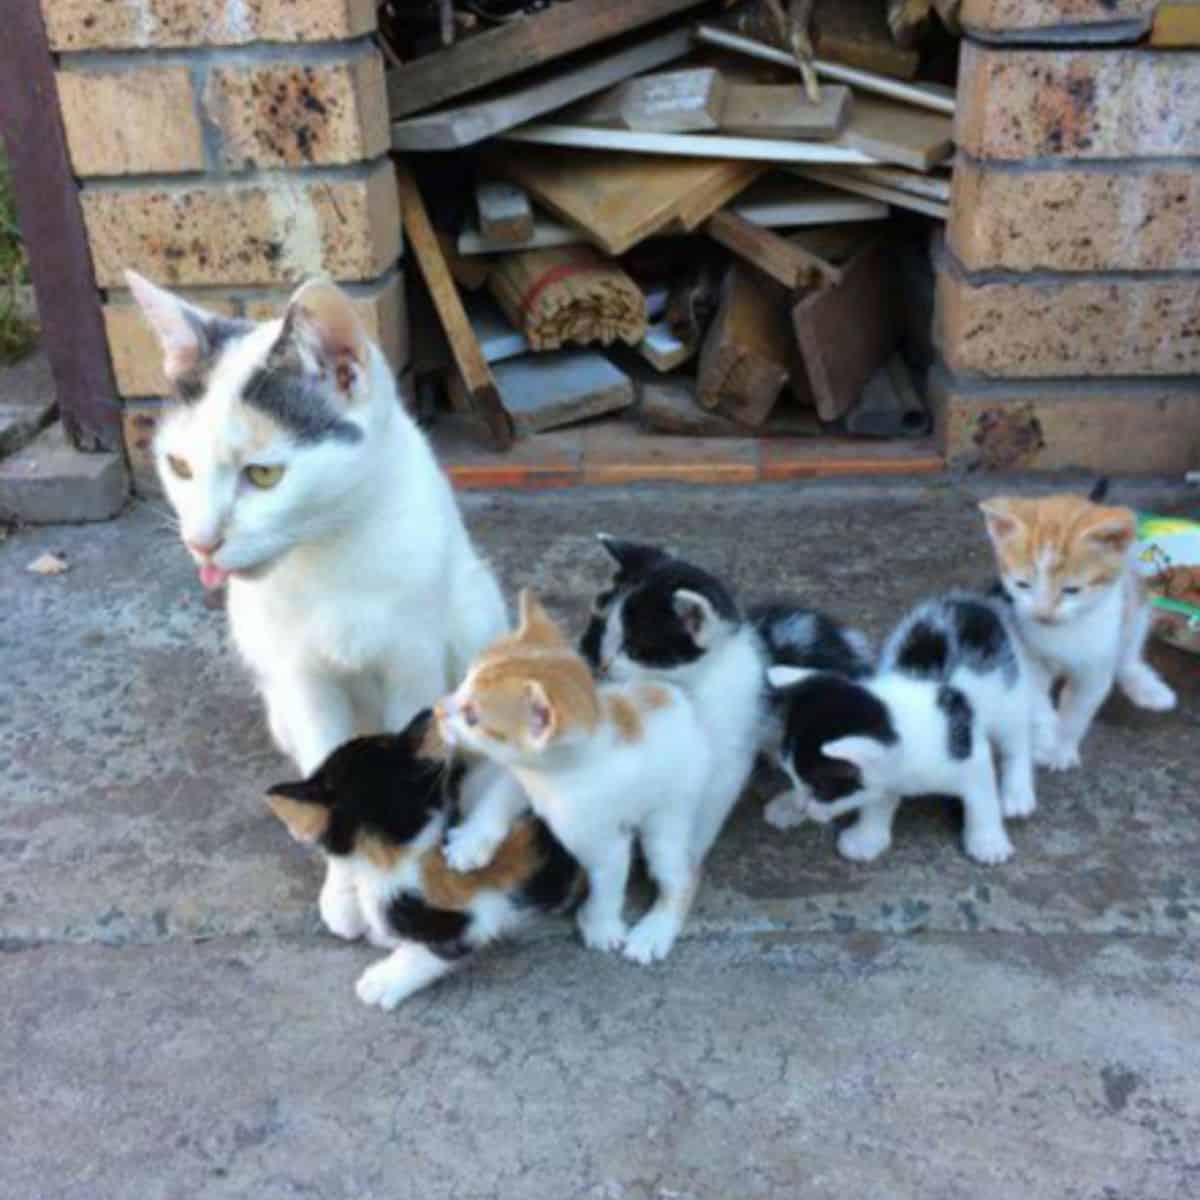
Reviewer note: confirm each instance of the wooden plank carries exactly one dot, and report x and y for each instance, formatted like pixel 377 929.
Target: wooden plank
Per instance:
pixel 932 96
pixel 663 350
pixel 846 331
pixel 898 133
pixel 862 187
pixel 618 200
pixel 784 111
pixel 516 46
pixel 670 406
pixel 783 261
pixel 908 20
pixel 855 32
pixel 476 374
pixel 930 186
pixel 547 391
pixel 1176 26
pixel 504 211
pixel 667 102
pixel 689 145
pixel 468 124
pixel 715 192
pixel 60 264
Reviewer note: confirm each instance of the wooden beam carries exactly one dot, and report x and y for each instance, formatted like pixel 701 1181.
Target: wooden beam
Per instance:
pixel 784 111
pixel 891 195
pixel 855 32
pixel 1176 26
pixel 517 45
pixel 60 263
pixel 891 132
pixel 783 261
pixel 472 366
pixel 504 211
pixel 685 101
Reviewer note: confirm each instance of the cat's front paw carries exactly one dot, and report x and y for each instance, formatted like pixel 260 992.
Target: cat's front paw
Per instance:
pixel 783 812
pixel 1063 756
pixel 1018 802
pixel 383 985
pixel 990 846
pixel 652 937
pixel 468 849
pixel 1146 690
pixel 863 845
pixel 341 912
pixel 600 932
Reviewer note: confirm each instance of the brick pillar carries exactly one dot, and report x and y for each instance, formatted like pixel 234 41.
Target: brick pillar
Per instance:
pixel 228 150
pixel 1069 292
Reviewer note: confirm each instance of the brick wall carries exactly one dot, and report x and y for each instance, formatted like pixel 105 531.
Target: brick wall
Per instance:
pixel 1069 291
pixel 228 150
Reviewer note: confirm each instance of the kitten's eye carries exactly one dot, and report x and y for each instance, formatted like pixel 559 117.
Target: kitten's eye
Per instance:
pixel 179 466
pixel 1023 584
pixel 1071 591
pixel 262 476
pixel 470 714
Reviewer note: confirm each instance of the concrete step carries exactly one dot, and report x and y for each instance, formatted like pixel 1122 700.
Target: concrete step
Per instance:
pixel 27 401
pixel 49 482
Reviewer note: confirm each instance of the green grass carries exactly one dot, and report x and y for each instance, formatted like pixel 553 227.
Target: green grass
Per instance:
pixel 17 333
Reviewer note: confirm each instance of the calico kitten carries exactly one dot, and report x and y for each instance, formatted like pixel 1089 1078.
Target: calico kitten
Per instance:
pixel 378 806
pixel 951 686
pixel 1079 606
pixel 665 617
pixel 600 764
pixel 354 593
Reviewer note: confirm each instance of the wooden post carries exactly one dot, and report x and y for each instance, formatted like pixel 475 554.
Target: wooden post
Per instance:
pixel 52 226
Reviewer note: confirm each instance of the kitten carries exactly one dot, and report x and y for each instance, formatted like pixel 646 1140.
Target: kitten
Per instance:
pixel 354 593
pixel 599 764
pixel 951 686
pixel 378 806
pixel 1078 602
pixel 665 617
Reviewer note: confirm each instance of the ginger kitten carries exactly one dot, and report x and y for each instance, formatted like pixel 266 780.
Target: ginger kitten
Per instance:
pixel 1066 565
pixel 600 764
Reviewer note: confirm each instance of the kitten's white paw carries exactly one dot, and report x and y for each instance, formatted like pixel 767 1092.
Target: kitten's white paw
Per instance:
pixel 1018 802
pixel 384 985
pixel 468 849
pixel 1061 757
pixel 601 933
pixel 652 937
pixel 783 812
pixel 341 912
pixel 863 845
pixel 1146 690
pixel 991 846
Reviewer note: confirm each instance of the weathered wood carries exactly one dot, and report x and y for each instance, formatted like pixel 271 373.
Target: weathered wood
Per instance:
pixel 846 331
pixel 877 191
pixel 663 350
pixel 504 211
pixel 784 111
pixel 476 374
pixel 670 406
pixel 52 227
pixel 547 391
pixel 553 87
pixel 616 201
pixel 517 46
pixel 908 20
pixel 783 261
pixel 855 32
pixel 667 102
pixel 469 273
pixel 748 352
pixel 898 133
pixel 1176 26
pixel 932 187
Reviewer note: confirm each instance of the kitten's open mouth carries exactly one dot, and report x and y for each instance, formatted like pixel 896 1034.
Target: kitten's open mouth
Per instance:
pixel 212 577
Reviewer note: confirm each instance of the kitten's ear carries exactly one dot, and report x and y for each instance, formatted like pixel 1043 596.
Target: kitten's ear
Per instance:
pixel 180 326
pixel 697 614
pixel 541 718
pixel 322 334
pixel 861 752
pixel 780 677
pixel 296 806
pixel 1002 522
pixel 537 625
pixel 1112 528
pixel 633 558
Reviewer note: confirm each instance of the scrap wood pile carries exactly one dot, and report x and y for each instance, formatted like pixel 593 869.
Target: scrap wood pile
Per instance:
pixel 716 216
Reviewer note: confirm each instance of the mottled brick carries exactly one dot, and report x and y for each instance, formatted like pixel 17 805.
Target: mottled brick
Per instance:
pixel 1076 219
pixel 238 234
pixel 1057 327
pixel 1081 104
pixel 299 114
pixel 1030 16
pixel 143 24
pixel 131 122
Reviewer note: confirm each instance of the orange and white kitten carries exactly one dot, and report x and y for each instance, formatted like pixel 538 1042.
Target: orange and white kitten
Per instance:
pixel 1066 565
pixel 600 765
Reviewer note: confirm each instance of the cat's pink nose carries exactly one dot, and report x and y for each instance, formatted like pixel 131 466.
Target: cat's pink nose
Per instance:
pixel 205 549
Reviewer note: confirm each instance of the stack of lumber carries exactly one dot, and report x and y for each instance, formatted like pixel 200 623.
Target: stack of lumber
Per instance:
pixel 753 168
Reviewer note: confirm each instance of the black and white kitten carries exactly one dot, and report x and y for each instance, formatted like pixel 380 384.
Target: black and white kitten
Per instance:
pixel 951 685
pixel 379 808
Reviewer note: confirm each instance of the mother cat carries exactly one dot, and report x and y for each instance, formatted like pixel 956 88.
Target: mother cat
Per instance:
pixel 354 593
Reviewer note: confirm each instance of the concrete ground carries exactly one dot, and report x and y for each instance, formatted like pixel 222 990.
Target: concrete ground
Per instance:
pixel 177 1025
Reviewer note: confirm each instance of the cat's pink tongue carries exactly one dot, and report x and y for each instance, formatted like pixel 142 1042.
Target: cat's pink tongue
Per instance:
pixel 212 577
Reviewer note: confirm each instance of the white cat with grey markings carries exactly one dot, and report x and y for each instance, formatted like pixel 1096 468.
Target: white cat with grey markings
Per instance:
pixel 952 685
pixel 354 593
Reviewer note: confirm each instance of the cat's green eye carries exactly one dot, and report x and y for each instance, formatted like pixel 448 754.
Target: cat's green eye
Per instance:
pixel 262 476
pixel 179 466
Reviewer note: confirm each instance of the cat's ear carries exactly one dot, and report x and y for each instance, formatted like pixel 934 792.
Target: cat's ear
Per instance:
pixel 633 558
pixel 295 804
pixel 861 752
pixel 321 334
pixel 541 719
pixel 1112 528
pixel 181 327
pixel 780 677
pixel 537 625
pixel 696 612
pixel 1002 521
